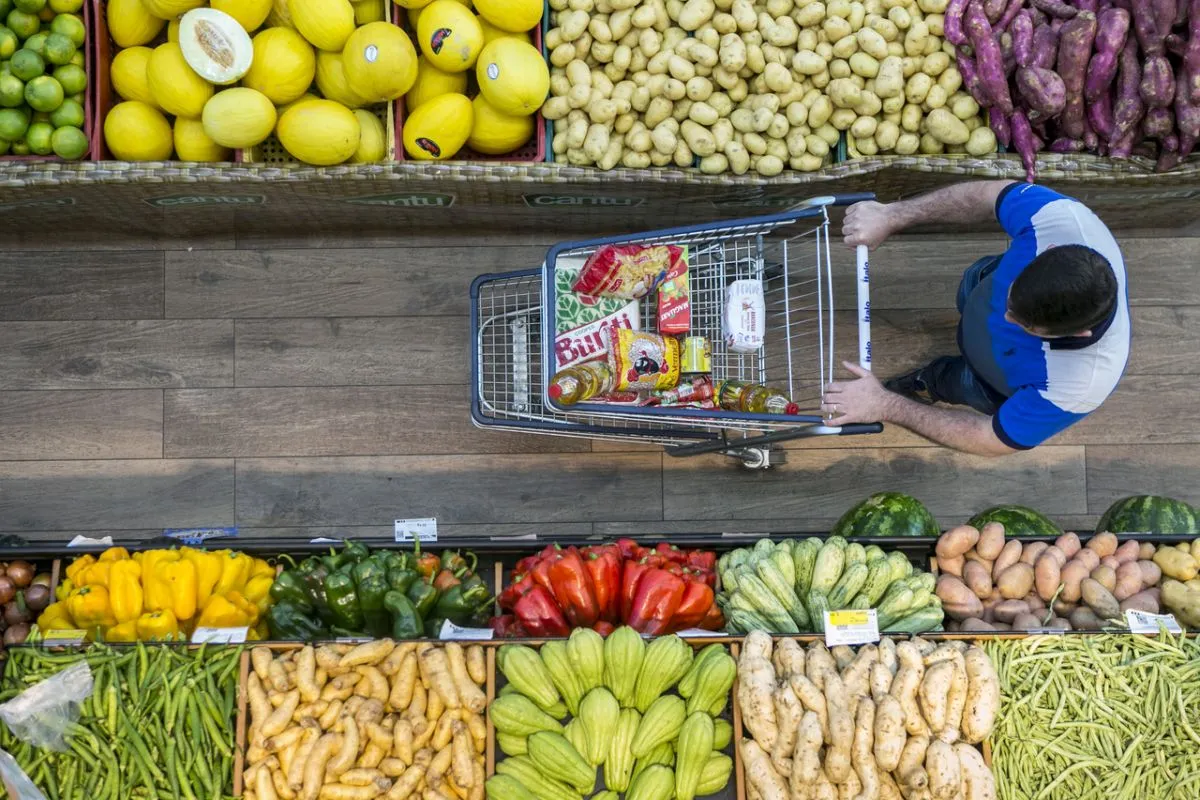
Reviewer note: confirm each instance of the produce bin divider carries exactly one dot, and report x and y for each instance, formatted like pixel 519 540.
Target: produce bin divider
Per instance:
pixel 739 778
pixel 239 735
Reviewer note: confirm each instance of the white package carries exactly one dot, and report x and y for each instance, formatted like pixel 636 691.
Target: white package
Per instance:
pixel 745 316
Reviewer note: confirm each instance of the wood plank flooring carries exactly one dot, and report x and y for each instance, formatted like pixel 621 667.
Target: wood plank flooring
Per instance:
pixel 320 387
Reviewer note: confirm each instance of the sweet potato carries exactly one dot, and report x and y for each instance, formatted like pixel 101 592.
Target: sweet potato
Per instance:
pixel 1032 552
pixel 1191 57
pixel 1055 8
pixel 1045 47
pixel 998 122
pixel 1146 27
pixel 1014 8
pixel 1157 87
pixel 1128 109
pixel 1022 37
pixel 952 23
pixel 978 579
pixel 1064 144
pixel 993 10
pixel 1074 51
pixel 1100 116
pixel 989 60
pixel 1159 123
pixel 1042 90
pixel 1112 31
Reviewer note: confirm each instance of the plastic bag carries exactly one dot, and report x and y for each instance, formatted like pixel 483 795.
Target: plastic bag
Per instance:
pixel 41 714
pixel 16 782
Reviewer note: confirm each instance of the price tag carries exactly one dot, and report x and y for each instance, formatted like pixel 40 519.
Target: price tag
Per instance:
pixel 416 530
pixel 199 535
pixel 1142 622
pixel 88 541
pixel 220 635
pixel 854 626
pixel 63 638
pixel 700 632
pixel 324 540
pixel 452 631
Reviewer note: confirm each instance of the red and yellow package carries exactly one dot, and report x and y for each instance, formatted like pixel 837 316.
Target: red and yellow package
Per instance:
pixel 674 300
pixel 629 271
pixel 642 361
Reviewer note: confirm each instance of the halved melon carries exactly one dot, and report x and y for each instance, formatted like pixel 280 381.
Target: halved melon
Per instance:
pixel 215 45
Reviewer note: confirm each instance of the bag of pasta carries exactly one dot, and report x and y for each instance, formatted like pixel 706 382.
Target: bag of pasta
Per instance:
pixel 642 361
pixel 628 271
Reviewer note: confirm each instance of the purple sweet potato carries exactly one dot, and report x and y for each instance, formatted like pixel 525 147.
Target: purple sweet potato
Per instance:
pixel 1045 47
pixel 1187 111
pixel 1164 15
pixel 1128 108
pixel 1157 87
pixel 1112 29
pixel 1100 116
pixel 1146 27
pixel 994 10
pixel 1014 8
pixel 1191 58
pixel 1055 8
pixel 1065 145
pixel 1159 123
pixel 989 59
pixel 1175 44
pixel 1025 144
pixel 1091 142
pixel 952 23
pixel 970 77
pixel 1087 5
pixel 1123 147
pixel 1007 54
pixel 1043 91
pixel 1074 51
pixel 1022 38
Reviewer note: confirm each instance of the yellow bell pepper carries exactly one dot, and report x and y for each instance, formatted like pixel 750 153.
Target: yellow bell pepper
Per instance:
pixel 180 576
pixel 261 632
pixel 115 554
pixel 90 608
pixel 262 567
pixel 157 625
pixel 258 592
pixel 235 571
pixel 64 589
pixel 208 572
pixel 125 632
pixel 248 608
pixel 125 590
pixel 158 595
pixel 97 574
pixel 55 617
pixel 223 612
pixel 79 565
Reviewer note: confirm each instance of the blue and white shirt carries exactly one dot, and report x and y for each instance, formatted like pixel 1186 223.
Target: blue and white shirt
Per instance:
pixel 1050 383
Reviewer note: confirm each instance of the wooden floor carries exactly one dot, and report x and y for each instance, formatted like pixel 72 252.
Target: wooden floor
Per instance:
pixel 307 387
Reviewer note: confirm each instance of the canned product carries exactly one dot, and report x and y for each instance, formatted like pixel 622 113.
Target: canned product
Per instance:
pixel 696 357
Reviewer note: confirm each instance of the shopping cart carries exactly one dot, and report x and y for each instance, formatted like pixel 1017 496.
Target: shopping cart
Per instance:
pixel 513 327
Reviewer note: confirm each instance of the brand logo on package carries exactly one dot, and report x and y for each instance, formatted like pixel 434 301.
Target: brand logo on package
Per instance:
pixel 589 200
pixel 405 200
pixel 51 203
pixel 186 200
pixel 758 202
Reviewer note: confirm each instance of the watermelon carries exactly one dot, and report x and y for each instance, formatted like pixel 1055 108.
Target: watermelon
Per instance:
pixel 888 514
pixel 1149 513
pixel 1018 521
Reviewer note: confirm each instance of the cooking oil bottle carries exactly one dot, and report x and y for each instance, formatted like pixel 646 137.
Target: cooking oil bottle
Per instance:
pixel 754 398
pixel 580 382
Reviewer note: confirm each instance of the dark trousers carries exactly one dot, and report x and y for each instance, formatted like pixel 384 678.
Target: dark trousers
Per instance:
pixel 950 379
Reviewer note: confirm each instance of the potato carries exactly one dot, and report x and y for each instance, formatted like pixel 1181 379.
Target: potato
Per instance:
pixel 1127 552
pixel 1105 576
pixel 1009 610
pixel 1103 544
pixel 1099 599
pixel 1016 581
pixel 1046 576
pixel 935 64
pixel 1034 602
pixel 956 541
pixel 1032 551
pixel 1010 554
pixel 945 774
pixel 899 16
pixel 1151 574
pixel 958 601
pixel 973 624
pixel 887 133
pixel 695 13
pixel 1068 543
pixel 991 536
pixel 1071 577
pixel 1084 619
pixel 1176 564
pixel 978 579
pixel 1026 622
pixel 916 38
pixel 1128 581
pixel 1088 557
pixel 952 566
pixel 1146 551
pixel 1142 601
pixel 907 144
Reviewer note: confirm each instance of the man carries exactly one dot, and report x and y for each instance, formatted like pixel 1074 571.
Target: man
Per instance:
pixel 1044 333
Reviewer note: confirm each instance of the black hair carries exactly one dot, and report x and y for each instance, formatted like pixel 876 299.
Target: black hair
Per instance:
pixel 1064 291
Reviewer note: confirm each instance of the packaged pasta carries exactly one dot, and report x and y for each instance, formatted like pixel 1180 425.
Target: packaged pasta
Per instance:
pixel 642 361
pixel 745 316
pixel 628 271
pixel 674 301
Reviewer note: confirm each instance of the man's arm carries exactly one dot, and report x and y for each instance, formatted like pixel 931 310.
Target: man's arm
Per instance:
pixel 871 223
pixel 865 400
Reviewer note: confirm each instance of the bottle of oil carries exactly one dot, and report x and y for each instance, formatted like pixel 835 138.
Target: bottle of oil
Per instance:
pixel 754 398
pixel 580 382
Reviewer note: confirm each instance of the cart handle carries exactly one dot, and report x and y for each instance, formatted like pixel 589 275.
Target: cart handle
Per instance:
pixel 864 306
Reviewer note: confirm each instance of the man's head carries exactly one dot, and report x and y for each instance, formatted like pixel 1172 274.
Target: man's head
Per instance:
pixel 1065 291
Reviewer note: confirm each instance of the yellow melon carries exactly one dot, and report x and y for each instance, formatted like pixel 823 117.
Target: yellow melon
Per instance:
pixel 193 144
pixel 491 33
pixel 250 14
pixel 320 132
pixel 128 74
pixel 238 117
pixel 514 16
pixel 513 76
pixel 284 65
pixel 327 24
pixel 370 11
pixel 176 87
pixel 135 131
pixel 372 139
pixel 170 9
pixel 431 82
pixel 450 35
pixel 331 80
pixel 438 129
pixel 130 24
pixel 496 133
pixel 380 62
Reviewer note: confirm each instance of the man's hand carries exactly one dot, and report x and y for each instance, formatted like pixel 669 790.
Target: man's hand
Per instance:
pixel 861 400
pixel 868 223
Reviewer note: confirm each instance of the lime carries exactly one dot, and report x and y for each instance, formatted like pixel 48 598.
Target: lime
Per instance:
pixel 8 42
pixel 59 49
pixel 37 43
pixel 4 145
pixel 12 91
pixel 30 6
pixel 5 69
pixel 20 148
pixel 65 6
pixel 71 26
pixel 44 93
pixel 26 64
pixel 72 78
pixel 13 124
pixel 69 113
pixel 5 7
pixel 22 24
pixel 69 143
pixel 38 138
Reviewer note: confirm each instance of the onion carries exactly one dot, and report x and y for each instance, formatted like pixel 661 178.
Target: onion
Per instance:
pixel 21 573
pixel 42 579
pixel 17 633
pixel 16 612
pixel 37 598
pixel 8 589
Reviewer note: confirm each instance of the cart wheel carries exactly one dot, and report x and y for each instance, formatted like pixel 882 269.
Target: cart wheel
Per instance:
pixel 758 457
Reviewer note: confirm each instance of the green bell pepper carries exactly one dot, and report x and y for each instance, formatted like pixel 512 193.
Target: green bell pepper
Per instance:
pixel 288 621
pixel 395 559
pixel 289 588
pixel 423 596
pixel 406 622
pixel 367 569
pixel 402 579
pixel 342 597
pixel 462 603
pixel 371 591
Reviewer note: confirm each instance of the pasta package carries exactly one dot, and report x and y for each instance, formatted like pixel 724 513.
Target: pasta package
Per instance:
pixel 642 361
pixel 628 271
pixel 674 300
pixel 745 316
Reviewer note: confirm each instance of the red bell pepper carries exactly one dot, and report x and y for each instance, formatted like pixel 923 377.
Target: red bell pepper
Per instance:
pixel 693 606
pixel 507 627
pixel 539 615
pixel 445 580
pixel 671 553
pixel 604 565
pixel 702 559
pixel 573 588
pixel 428 565
pixel 521 583
pixel 658 596
pixel 631 575
pixel 604 628
pixel 714 620
pixel 629 549
pixel 541 572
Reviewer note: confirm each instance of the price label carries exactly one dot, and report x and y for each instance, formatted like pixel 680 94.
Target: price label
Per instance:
pixel 1142 622
pixel 416 530
pixel 700 632
pixel 63 638
pixel 88 541
pixel 199 535
pixel 852 626
pixel 452 631
pixel 220 635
